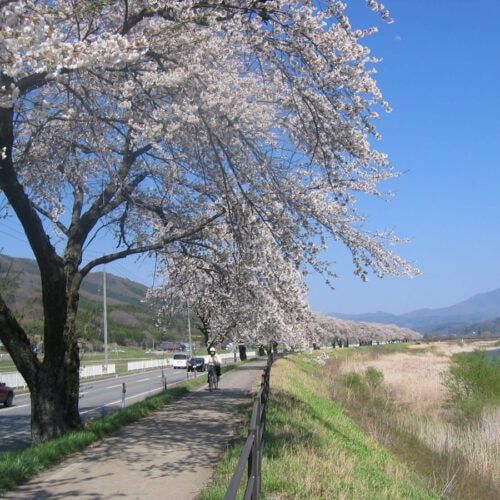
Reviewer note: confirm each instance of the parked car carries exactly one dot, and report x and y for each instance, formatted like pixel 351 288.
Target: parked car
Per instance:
pixel 196 364
pixel 180 361
pixel 6 394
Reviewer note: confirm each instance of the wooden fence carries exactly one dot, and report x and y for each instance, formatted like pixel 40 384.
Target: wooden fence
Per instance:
pixel 251 456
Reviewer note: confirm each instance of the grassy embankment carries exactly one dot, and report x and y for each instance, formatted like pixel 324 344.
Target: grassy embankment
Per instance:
pixel 371 423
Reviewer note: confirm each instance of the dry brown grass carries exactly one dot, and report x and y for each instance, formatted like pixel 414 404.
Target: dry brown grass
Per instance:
pixel 416 398
pixel 415 379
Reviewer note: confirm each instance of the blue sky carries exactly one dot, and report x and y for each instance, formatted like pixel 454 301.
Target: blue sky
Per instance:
pixel 440 73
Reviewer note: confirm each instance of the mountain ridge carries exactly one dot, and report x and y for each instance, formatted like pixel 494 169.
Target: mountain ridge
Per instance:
pixel 480 308
pixel 479 313
pixel 23 274
pixel 130 320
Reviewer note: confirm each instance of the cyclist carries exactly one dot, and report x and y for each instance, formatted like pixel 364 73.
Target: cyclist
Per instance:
pixel 214 360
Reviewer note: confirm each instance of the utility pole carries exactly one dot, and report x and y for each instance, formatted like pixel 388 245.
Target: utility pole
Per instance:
pixel 189 331
pixel 105 316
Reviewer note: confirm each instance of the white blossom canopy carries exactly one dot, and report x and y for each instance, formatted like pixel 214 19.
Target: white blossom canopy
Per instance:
pixel 239 293
pixel 329 330
pixel 155 120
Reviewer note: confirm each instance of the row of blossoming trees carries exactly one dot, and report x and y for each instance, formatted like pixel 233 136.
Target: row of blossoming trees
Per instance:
pixel 334 332
pixel 231 138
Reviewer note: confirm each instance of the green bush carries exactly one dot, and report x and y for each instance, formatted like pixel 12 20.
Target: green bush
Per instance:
pixel 352 380
pixel 473 382
pixel 374 378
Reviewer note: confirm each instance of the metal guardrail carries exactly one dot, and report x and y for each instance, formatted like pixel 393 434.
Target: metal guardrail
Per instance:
pixel 251 456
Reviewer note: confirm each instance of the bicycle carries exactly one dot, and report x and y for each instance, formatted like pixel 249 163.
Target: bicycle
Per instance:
pixel 212 378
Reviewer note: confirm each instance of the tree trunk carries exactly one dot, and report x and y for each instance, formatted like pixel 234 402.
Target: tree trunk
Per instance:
pixel 54 383
pixel 48 408
pixel 243 352
pixel 55 390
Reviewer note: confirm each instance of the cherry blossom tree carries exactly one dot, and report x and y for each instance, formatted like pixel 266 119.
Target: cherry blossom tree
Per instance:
pixel 147 123
pixel 242 292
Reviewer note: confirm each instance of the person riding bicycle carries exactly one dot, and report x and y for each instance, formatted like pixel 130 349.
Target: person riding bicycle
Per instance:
pixel 215 361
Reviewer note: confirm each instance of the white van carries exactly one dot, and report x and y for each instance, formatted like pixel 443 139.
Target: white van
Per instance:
pixel 180 361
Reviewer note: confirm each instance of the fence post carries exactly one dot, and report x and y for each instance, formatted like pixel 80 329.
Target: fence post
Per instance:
pixel 255 466
pixel 253 449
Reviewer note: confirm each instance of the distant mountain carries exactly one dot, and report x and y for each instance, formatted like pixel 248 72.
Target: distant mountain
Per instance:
pixel 492 326
pixel 480 308
pixel 118 290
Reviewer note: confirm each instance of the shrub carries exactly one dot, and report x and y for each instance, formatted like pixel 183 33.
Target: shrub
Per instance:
pixel 352 380
pixel 473 382
pixel 374 378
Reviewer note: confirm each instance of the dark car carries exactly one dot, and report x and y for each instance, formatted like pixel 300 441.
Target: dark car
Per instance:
pixel 196 364
pixel 6 394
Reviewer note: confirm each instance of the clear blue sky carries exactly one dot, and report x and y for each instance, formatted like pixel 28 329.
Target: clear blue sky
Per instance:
pixel 441 74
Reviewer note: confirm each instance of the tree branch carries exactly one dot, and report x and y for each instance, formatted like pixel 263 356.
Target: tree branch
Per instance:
pixel 154 247
pixel 17 343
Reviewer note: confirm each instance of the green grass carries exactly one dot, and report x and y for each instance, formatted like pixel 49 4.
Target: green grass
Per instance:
pixel 314 451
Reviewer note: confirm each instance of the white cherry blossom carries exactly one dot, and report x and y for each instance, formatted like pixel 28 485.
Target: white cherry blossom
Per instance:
pixel 156 124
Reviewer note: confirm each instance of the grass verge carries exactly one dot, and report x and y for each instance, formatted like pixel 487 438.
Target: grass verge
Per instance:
pixel 313 451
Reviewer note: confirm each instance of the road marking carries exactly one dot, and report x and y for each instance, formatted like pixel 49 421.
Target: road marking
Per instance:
pixel 13 407
pixel 119 401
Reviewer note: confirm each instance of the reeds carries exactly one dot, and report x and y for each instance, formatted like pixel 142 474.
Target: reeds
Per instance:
pixel 410 413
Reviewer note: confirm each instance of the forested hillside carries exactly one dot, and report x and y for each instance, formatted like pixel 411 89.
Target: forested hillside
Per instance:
pixel 130 321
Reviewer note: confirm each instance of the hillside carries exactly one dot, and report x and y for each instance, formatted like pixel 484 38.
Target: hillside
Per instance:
pixel 129 319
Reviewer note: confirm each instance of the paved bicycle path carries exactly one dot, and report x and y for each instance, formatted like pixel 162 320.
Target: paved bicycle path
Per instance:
pixel 169 454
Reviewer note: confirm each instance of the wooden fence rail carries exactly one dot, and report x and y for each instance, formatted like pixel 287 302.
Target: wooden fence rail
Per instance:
pixel 251 456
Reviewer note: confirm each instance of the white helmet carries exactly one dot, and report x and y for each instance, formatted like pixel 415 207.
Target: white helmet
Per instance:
pixel 212 349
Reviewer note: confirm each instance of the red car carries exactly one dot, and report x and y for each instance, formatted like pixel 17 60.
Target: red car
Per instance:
pixel 6 394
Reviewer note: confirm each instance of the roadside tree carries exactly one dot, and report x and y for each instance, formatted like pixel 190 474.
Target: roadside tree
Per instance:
pixel 133 127
pixel 242 292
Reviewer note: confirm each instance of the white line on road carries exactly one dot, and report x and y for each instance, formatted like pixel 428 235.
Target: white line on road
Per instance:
pixel 11 408
pixel 119 401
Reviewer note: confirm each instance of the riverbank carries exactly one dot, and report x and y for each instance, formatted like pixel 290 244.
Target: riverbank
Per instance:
pixel 336 430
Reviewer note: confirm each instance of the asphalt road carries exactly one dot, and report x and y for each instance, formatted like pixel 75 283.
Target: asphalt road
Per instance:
pixel 97 397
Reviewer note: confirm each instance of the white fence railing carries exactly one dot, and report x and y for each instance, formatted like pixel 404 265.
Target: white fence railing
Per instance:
pixel 14 379
pixel 97 370
pixel 146 364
